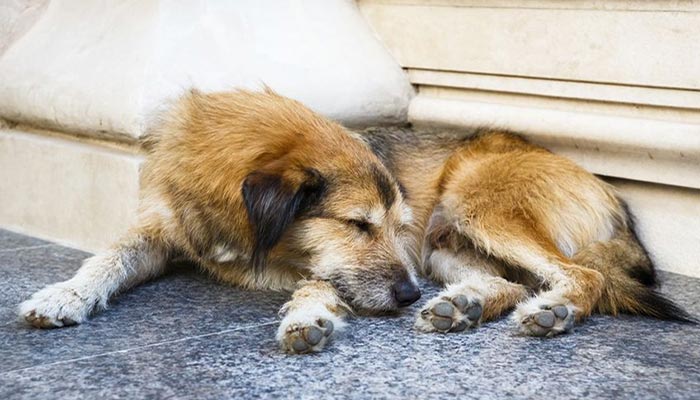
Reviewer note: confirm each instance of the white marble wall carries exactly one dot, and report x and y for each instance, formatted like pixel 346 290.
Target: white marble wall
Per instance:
pixel 16 18
pixel 104 67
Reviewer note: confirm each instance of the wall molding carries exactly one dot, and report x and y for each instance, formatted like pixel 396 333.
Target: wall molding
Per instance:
pixel 683 99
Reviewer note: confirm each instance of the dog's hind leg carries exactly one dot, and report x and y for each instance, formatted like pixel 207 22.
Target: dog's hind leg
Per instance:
pixel 570 291
pixel 474 292
pixel 572 295
pixel 137 258
pixel 313 314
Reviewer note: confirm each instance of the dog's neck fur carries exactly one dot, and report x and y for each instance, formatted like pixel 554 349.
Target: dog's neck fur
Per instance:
pixel 417 158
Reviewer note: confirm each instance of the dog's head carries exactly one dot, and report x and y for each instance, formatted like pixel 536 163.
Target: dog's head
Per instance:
pixel 335 206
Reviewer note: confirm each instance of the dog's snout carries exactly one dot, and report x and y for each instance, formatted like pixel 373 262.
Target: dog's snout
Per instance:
pixel 406 293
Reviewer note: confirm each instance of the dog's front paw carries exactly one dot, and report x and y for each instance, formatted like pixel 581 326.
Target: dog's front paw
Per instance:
pixel 446 313
pixel 542 317
pixel 55 306
pixel 307 332
pixel 301 338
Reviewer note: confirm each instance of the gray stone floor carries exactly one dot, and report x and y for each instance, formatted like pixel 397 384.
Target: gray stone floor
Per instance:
pixel 185 336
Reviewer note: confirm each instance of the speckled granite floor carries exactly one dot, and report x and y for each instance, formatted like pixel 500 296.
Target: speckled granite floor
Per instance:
pixel 184 336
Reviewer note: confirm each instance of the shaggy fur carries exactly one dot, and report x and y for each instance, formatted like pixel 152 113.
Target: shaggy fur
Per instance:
pixel 503 218
pixel 263 193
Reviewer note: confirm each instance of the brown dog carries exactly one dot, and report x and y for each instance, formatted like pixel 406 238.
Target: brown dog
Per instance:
pixel 263 193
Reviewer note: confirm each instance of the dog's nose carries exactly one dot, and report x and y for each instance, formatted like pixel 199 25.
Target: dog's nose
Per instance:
pixel 406 293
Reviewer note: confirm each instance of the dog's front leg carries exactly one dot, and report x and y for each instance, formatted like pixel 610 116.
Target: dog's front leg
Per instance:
pixel 311 317
pixel 135 259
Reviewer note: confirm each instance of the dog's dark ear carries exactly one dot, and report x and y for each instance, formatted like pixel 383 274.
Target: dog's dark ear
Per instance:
pixel 274 196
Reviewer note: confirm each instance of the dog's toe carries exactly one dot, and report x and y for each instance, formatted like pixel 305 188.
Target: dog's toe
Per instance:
pixel 327 325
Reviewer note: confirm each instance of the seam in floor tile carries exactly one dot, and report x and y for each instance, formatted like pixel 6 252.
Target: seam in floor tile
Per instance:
pixel 146 346
pixel 39 246
pixel 18 320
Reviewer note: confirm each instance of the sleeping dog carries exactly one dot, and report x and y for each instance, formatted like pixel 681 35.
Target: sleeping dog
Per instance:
pixel 263 193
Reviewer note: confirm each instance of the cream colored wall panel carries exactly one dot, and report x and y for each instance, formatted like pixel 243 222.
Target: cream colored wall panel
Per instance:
pixel 634 47
pixel 667 222
pixel 76 193
pixel 613 85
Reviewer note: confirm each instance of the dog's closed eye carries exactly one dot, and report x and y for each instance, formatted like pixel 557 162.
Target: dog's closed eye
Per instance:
pixel 360 224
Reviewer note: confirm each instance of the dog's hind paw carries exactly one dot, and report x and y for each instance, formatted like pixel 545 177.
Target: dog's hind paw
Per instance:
pixel 538 317
pixel 450 314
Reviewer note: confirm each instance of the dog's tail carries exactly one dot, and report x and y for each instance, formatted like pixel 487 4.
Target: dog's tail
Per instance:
pixel 630 278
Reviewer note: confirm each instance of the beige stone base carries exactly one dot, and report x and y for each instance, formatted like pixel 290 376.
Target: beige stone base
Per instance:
pixel 612 85
pixel 85 194
pixel 79 193
pixel 668 222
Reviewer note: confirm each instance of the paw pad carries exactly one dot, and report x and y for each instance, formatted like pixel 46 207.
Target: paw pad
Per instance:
pixel 302 339
pixel 447 314
pixel 550 321
pixel 544 319
pixel 560 311
pixel 443 309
